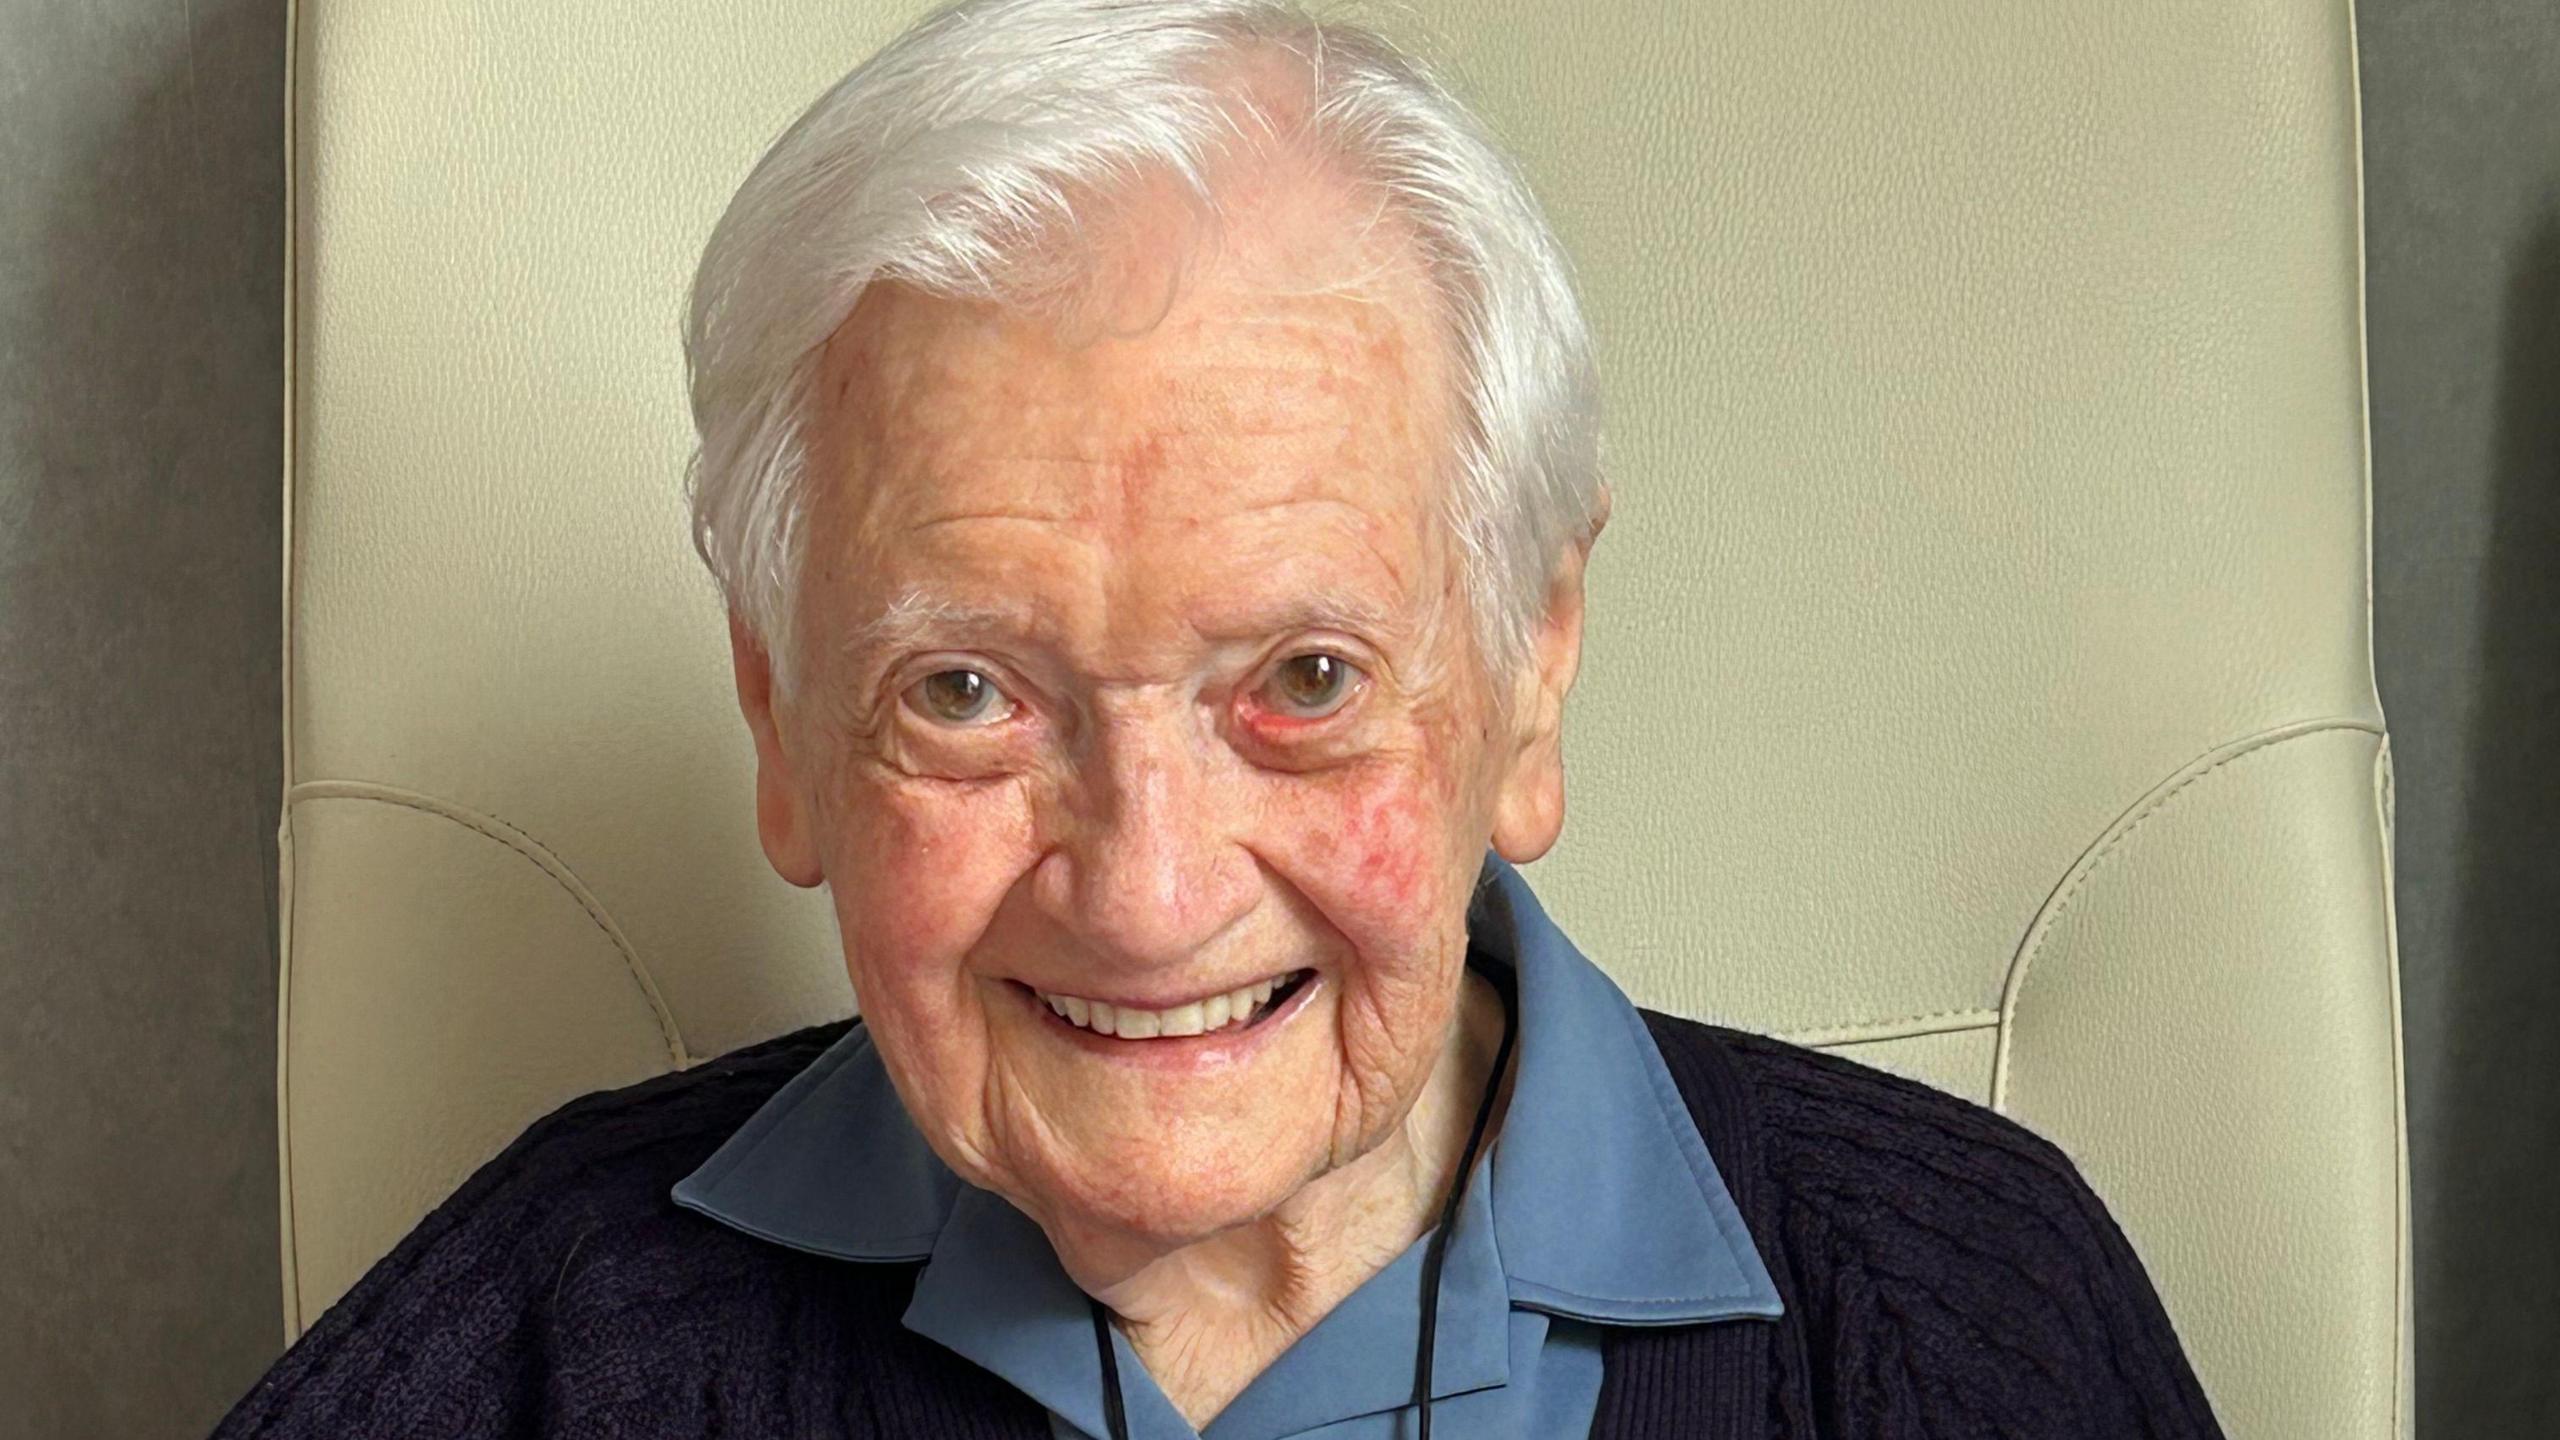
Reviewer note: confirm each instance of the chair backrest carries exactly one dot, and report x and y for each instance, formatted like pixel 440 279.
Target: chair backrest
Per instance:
pixel 1978 679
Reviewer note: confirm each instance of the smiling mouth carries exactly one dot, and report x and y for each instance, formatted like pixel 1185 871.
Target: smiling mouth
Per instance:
pixel 1237 1010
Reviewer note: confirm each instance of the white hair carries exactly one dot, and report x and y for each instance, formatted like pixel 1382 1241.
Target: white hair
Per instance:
pixel 941 161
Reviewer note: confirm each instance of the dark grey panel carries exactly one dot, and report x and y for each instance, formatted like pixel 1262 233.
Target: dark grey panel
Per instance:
pixel 2462 165
pixel 140 246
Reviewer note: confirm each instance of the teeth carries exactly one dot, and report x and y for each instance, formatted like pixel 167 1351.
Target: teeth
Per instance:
pixel 1197 1018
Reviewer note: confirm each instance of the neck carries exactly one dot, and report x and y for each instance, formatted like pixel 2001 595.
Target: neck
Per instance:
pixel 1208 1317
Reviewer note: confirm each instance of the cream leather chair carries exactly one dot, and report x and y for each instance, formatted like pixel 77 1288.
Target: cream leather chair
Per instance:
pixel 1978 686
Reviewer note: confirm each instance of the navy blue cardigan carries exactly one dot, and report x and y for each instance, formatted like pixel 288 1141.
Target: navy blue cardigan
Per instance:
pixel 1945 1273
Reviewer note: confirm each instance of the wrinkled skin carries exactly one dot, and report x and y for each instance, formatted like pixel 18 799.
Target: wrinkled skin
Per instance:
pixel 1128 539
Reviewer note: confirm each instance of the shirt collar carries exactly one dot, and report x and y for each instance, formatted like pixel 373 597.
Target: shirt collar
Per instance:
pixel 1609 1207
pixel 1598 1202
pixel 831 1164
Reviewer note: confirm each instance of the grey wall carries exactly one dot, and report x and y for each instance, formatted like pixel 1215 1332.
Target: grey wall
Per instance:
pixel 140 245
pixel 2462 172
pixel 140 240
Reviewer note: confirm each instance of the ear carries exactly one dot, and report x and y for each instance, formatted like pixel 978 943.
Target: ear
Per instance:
pixel 1529 807
pixel 783 814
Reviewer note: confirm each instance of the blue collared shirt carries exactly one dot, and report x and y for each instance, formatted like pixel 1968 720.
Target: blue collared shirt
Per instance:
pixel 1596 1205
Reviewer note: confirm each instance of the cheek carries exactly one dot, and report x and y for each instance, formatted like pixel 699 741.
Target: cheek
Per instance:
pixel 922 868
pixel 1377 853
pixel 1380 862
pixel 1390 842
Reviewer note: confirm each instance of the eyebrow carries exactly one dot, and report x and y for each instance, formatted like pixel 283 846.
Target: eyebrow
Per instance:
pixel 1331 608
pixel 918 615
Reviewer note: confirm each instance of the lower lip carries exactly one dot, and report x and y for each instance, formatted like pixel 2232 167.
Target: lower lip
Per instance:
pixel 1217 1049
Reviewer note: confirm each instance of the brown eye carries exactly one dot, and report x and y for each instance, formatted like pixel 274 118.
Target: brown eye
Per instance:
pixel 958 697
pixel 1312 685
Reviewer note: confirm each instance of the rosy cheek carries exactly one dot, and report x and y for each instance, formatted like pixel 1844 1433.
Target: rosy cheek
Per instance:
pixel 1391 836
pixel 932 864
pixel 1366 843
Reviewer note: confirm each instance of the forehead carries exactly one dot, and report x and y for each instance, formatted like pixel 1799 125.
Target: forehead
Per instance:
pixel 1273 398
pixel 1299 366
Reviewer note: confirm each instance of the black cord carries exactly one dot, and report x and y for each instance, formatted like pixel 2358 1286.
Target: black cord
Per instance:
pixel 1113 1412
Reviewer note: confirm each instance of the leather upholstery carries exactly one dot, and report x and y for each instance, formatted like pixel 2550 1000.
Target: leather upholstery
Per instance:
pixel 1978 681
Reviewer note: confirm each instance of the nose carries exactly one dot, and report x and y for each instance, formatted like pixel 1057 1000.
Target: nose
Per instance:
pixel 1148 868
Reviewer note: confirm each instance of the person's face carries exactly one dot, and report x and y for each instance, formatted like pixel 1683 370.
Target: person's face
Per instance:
pixel 1140 672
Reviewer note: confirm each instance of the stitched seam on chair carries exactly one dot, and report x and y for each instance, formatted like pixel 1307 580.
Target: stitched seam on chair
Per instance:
pixel 2403 1421
pixel 2211 762
pixel 542 858
pixel 1905 1027
pixel 289 1250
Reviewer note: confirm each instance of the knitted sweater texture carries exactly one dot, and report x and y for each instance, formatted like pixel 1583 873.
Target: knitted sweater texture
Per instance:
pixel 1945 1274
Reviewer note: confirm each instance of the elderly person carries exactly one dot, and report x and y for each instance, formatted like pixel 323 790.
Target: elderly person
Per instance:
pixel 1149 451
